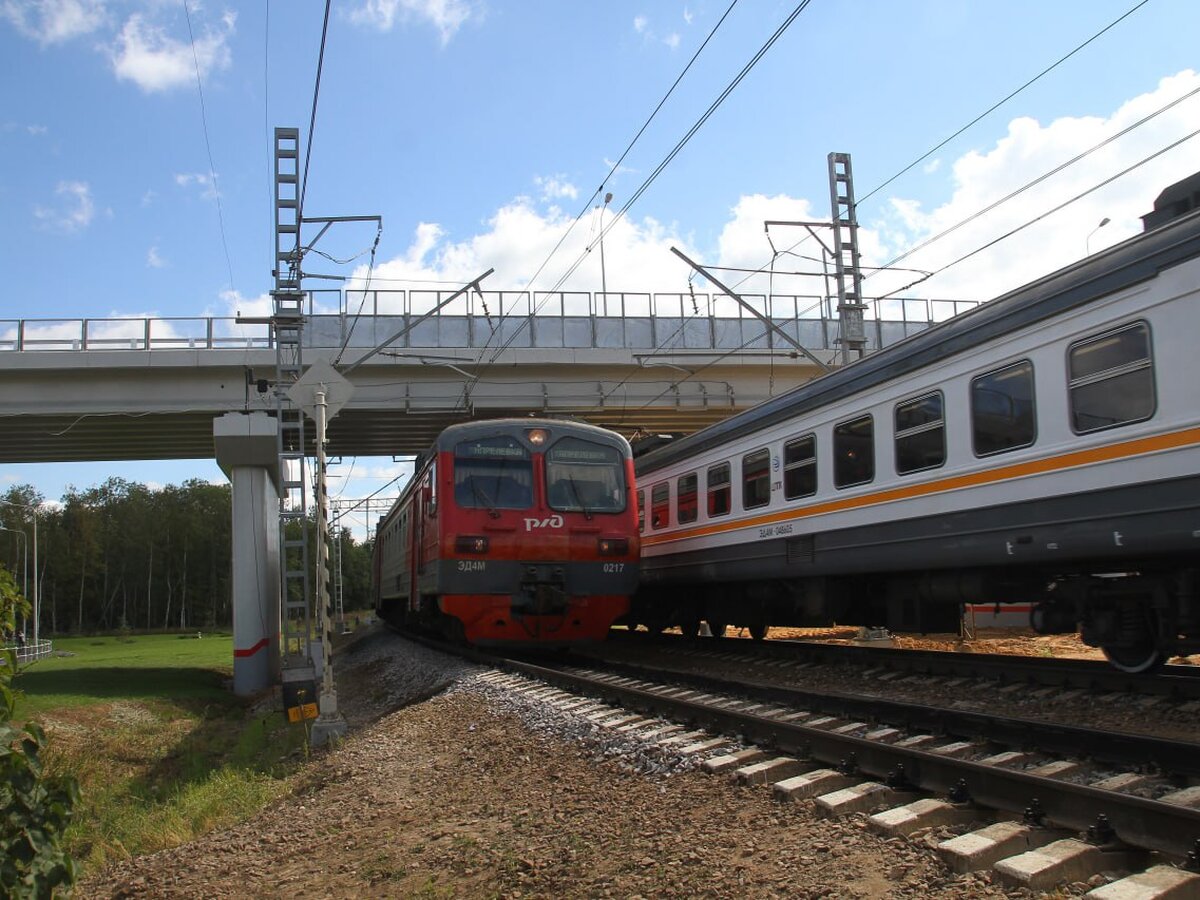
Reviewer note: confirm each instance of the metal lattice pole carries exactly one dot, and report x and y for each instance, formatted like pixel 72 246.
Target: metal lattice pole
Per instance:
pixel 848 275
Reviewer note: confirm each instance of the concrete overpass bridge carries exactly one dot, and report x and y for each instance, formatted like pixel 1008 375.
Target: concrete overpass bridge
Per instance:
pixel 150 388
pixel 164 388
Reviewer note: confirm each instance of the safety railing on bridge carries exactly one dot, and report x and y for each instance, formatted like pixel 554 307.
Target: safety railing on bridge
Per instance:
pixel 501 319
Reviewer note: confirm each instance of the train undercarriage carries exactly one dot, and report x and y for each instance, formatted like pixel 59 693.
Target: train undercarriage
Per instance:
pixel 1138 618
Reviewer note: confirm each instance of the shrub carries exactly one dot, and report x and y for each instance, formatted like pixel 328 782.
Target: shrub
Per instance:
pixel 36 807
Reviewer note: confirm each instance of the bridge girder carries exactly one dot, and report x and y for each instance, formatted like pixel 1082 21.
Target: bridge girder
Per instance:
pixel 126 405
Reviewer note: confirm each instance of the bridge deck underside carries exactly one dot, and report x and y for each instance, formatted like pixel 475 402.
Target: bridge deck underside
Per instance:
pixel 127 406
pixel 58 438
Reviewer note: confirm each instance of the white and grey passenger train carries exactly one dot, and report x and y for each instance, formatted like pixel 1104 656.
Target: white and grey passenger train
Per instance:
pixel 1043 448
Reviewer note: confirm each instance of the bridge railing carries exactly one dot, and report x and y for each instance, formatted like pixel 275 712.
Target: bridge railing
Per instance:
pixel 562 319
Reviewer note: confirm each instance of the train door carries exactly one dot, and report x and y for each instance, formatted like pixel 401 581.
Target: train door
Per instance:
pixel 426 534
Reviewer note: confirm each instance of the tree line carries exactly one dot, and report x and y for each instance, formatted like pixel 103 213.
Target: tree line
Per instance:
pixel 126 556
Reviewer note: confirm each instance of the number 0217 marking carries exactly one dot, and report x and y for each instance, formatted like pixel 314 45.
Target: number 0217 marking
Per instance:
pixel 614 567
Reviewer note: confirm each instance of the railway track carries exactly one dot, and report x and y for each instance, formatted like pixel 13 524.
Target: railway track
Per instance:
pixel 1177 682
pixel 1042 803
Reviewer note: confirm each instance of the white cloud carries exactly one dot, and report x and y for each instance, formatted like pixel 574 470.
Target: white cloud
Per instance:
pixel 53 21
pixel 30 129
pixel 74 211
pixel 146 55
pixel 641 24
pixel 149 197
pixel 154 260
pixel 556 187
pixel 620 170
pixel 447 16
pixel 1028 150
pixel 200 180
pixel 688 16
pixel 520 235
pixel 518 240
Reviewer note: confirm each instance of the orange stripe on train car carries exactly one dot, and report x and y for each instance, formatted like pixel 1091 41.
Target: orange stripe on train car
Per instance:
pixel 1074 459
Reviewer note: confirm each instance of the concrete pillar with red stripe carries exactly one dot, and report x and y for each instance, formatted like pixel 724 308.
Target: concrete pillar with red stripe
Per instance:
pixel 246 452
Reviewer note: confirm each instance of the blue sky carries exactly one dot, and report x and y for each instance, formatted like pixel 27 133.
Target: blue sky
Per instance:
pixel 480 129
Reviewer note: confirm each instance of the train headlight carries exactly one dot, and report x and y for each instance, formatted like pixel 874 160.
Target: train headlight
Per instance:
pixel 537 436
pixel 471 543
pixel 613 546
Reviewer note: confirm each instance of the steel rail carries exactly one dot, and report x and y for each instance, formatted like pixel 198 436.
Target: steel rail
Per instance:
pixel 1136 821
pixel 1176 681
pixel 1111 747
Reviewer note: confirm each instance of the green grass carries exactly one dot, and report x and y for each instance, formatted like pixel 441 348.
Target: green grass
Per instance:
pixel 162 748
pixel 101 669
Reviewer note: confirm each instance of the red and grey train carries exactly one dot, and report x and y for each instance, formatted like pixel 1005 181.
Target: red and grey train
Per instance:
pixel 513 531
pixel 1043 448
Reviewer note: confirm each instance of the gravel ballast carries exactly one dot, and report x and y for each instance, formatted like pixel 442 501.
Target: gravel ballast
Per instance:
pixel 450 784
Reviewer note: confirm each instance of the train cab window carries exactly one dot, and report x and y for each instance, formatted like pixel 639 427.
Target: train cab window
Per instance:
pixel 660 505
pixel 1112 379
pixel 686 504
pixel 1002 409
pixel 493 473
pixel 800 467
pixel 718 490
pixel 920 433
pixel 756 479
pixel 583 476
pixel 854 452
pixel 641 502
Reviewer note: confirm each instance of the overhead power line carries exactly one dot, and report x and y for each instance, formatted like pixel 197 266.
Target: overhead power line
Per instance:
pixel 669 158
pixel 212 169
pixel 1004 100
pixel 312 119
pixel 1107 181
pixel 1045 175
pixel 615 166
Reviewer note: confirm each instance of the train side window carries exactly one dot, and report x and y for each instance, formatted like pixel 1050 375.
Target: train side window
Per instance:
pixel 1112 379
pixel 1002 409
pixel 854 452
pixel 718 490
pixel 800 467
pixel 756 479
pixel 685 498
pixel 920 433
pixel 641 502
pixel 660 505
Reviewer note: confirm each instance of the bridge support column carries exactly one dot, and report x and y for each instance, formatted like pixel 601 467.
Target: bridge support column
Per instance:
pixel 246 452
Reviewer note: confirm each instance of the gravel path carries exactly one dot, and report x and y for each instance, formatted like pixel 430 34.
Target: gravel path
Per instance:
pixel 449 786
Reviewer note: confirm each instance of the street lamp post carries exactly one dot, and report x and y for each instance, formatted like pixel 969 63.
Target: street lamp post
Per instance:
pixel 603 278
pixel 1088 243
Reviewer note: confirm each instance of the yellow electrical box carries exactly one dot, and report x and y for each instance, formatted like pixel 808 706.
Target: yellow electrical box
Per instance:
pixel 305 711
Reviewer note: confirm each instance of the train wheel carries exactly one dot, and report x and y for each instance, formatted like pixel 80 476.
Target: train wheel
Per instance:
pixel 758 632
pixel 717 628
pixel 1140 658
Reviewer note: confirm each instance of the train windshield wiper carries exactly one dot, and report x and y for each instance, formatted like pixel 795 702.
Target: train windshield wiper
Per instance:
pixel 587 513
pixel 480 494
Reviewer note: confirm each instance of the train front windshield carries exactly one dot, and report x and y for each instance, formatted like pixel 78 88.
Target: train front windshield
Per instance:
pixel 582 476
pixel 493 473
